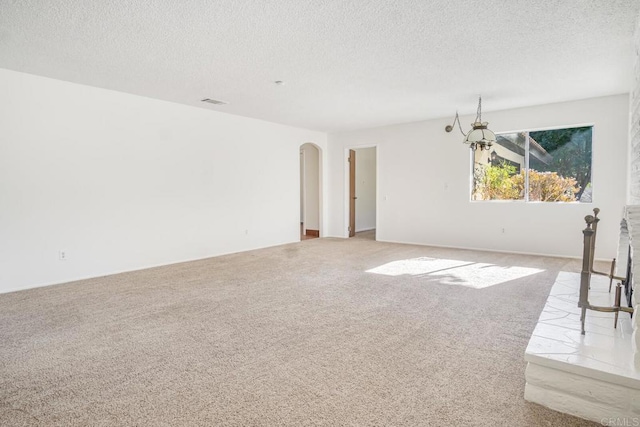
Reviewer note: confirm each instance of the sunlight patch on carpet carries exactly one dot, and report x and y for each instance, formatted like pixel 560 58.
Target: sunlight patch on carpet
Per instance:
pixel 476 275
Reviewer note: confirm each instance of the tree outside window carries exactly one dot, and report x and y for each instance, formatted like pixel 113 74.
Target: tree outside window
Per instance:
pixel 543 166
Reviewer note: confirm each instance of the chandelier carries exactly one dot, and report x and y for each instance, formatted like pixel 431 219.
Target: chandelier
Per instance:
pixel 479 136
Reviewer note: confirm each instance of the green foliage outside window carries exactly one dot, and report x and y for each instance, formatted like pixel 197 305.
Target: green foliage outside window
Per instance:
pixel 501 182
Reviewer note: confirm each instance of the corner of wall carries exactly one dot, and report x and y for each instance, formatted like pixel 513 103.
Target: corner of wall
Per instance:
pixel 633 196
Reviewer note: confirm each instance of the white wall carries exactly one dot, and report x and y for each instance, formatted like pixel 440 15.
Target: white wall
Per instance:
pixel 311 159
pixel 365 189
pixel 424 183
pixel 122 182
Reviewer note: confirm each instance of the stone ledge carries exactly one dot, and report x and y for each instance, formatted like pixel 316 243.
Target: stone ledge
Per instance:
pixel 592 391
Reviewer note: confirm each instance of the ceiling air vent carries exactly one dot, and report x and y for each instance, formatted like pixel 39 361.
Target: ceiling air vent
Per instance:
pixel 214 101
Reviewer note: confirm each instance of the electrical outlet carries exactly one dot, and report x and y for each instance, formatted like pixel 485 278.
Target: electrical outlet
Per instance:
pixel 504 231
pixel 62 255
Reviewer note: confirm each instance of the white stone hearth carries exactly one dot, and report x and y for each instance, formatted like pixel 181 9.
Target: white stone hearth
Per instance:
pixel 592 376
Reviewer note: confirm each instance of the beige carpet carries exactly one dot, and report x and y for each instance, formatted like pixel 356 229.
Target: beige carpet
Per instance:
pixel 293 335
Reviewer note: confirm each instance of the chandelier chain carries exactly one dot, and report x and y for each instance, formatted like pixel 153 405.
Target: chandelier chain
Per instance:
pixel 459 125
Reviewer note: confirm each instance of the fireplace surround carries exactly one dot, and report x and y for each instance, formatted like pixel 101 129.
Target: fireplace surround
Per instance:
pixel 629 252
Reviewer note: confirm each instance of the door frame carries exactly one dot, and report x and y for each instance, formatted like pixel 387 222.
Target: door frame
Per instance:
pixel 345 159
pixel 352 160
pixel 303 191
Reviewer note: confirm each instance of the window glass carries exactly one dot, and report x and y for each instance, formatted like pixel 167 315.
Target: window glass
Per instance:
pixel 560 165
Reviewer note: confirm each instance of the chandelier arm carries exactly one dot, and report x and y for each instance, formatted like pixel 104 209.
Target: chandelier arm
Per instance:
pixel 449 128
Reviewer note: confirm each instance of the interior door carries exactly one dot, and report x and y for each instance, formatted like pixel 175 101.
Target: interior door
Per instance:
pixel 352 193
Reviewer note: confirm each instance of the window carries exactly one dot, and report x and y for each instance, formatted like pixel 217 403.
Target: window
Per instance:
pixel 535 166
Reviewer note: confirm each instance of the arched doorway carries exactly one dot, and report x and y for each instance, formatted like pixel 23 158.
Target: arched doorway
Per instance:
pixel 310 191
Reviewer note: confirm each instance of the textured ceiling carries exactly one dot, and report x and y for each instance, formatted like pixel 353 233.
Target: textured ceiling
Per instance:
pixel 346 64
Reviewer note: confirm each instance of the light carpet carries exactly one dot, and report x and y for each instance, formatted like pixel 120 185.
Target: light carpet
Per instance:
pixel 304 334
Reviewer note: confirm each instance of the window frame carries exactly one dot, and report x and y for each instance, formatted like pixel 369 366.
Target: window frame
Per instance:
pixel 526 184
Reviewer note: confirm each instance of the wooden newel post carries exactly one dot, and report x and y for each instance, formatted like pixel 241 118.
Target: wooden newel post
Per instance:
pixel 594 227
pixel 585 276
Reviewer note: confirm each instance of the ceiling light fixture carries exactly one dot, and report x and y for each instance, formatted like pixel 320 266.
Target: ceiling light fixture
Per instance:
pixel 478 137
